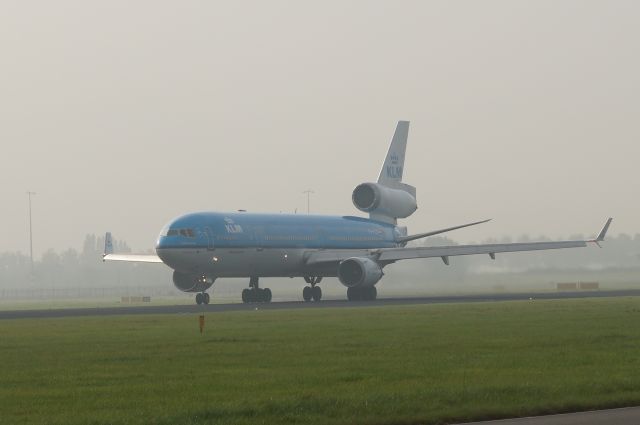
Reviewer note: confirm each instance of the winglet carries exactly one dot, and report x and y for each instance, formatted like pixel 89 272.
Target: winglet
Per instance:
pixel 108 244
pixel 603 232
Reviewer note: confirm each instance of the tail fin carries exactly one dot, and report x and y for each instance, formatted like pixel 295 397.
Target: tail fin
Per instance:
pixel 108 244
pixel 393 167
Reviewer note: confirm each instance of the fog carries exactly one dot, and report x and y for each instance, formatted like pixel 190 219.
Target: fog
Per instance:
pixel 81 275
pixel 122 115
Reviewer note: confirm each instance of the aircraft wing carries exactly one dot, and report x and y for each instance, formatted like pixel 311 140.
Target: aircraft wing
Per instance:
pixel 390 255
pixel 136 258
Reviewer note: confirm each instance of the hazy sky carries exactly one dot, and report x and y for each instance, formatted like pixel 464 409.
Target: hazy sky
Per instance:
pixel 124 114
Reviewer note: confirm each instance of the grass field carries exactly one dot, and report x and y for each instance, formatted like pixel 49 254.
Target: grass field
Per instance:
pixel 423 364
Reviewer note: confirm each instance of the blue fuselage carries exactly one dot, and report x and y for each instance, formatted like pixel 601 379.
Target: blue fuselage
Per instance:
pixel 246 244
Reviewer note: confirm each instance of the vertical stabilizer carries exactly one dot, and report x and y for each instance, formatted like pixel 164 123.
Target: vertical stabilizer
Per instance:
pixel 393 166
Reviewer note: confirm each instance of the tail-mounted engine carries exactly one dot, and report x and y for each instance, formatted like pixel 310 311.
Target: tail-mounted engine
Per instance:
pixel 385 203
pixel 191 282
pixel 359 272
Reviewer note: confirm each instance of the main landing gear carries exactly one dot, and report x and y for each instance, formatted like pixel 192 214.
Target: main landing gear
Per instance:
pixel 358 293
pixel 255 294
pixel 312 292
pixel 202 298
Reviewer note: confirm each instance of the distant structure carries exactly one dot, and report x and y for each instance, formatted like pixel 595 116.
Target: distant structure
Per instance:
pixel 29 194
pixel 308 192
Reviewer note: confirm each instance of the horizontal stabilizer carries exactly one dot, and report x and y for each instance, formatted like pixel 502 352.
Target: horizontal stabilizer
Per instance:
pixel 405 239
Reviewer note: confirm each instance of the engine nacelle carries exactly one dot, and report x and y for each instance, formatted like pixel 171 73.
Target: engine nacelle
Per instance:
pixel 358 271
pixel 380 200
pixel 191 282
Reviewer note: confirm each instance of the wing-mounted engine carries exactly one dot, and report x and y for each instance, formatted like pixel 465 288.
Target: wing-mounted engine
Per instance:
pixel 359 272
pixel 191 282
pixel 385 203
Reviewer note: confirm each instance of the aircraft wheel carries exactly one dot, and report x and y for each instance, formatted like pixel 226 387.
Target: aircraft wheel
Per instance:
pixel 205 298
pixel 362 294
pixel 353 294
pixel 374 293
pixel 316 293
pixel 266 295
pixel 199 299
pixel 307 293
pixel 370 293
pixel 246 295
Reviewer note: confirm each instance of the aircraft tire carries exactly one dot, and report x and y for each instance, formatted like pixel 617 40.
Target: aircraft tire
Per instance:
pixel 205 298
pixel 371 293
pixel 266 295
pixel 199 299
pixel 246 295
pixel 354 294
pixel 307 293
pixel 316 293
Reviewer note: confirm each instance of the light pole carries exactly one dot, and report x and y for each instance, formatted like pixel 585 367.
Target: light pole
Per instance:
pixel 308 192
pixel 29 194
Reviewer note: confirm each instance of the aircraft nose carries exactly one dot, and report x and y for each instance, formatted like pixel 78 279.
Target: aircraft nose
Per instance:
pixel 161 242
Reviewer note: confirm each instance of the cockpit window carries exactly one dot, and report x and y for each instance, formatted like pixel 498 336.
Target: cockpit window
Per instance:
pixel 186 232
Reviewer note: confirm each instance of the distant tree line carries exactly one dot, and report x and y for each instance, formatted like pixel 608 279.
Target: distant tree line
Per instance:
pixel 85 268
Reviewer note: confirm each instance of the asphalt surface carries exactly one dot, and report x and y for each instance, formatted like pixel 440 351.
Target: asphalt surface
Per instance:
pixel 216 308
pixel 625 416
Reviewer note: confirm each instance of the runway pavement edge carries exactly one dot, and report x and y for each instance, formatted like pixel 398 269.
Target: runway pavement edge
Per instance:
pixel 216 308
pixel 621 416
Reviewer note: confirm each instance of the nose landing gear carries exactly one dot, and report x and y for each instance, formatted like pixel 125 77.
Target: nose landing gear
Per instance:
pixel 255 294
pixel 312 292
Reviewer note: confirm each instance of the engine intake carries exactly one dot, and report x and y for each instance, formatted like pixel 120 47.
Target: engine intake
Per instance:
pixel 357 271
pixel 191 282
pixel 379 200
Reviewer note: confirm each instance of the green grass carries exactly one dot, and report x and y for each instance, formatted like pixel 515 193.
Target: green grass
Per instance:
pixel 423 364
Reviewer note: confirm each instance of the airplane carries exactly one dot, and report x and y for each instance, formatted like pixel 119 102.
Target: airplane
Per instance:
pixel 203 246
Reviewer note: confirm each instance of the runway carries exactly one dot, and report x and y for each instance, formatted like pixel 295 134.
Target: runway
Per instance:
pixel 219 308
pixel 624 416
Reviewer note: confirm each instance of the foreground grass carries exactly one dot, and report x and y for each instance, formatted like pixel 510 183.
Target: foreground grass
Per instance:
pixel 422 364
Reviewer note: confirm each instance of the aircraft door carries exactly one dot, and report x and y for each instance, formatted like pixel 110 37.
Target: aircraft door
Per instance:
pixel 210 245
